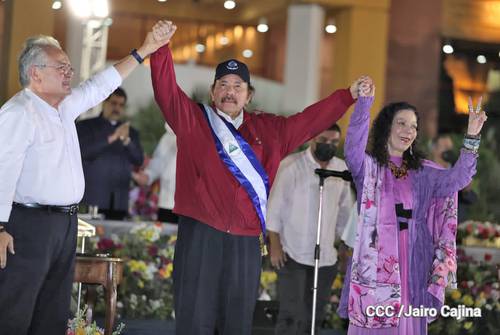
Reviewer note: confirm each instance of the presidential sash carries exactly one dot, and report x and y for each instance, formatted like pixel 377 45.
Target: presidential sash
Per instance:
pixel 241 161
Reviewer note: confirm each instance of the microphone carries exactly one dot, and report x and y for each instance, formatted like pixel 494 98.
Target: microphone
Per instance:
pixel 324 173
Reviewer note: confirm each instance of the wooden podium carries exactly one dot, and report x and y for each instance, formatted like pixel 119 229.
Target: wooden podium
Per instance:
pixel 105 271
pixel 98 270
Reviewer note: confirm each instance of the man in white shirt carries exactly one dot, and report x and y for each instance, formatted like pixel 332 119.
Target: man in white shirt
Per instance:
pixel 162 166
pixel 41 182
pixel 292 225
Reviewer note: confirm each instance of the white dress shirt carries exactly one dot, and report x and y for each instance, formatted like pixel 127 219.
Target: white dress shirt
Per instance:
pixel 293 206
pixel 237 122
pixel 162 166
pixel 40 159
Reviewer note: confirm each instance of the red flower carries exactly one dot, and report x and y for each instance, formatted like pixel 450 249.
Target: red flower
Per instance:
pixel 105 244
pixel 469 228
pixel 487 257
pixel 153 250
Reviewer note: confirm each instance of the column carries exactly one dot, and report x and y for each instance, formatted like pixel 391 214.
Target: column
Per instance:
pixel 304 31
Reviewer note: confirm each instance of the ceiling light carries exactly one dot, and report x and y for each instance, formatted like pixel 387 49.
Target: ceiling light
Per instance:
pixel 262 27
pixel 199 48
pixel 330 27
pixel 56 5
pixel 481 59
pixel 224 40
pixel 447 48
pixel 247 53
pixel 229 4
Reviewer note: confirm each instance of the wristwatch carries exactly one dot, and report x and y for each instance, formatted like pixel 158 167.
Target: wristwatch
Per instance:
pixel 136 55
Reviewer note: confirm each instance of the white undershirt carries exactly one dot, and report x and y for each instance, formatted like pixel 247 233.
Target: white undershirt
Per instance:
pixel 236 122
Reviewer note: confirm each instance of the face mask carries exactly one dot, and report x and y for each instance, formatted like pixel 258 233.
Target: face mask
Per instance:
pixel 324 152
pixel 449 156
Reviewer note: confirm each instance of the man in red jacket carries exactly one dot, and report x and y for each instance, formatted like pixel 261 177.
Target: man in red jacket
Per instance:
pixel 227 160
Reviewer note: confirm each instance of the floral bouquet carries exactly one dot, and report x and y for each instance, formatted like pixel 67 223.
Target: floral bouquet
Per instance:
pixel 477 287
pixel 146 289
pixel 268 279
pixel 79 325
pixel 482 234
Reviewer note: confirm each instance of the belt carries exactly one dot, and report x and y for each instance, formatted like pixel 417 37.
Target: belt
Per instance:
pixel 70 209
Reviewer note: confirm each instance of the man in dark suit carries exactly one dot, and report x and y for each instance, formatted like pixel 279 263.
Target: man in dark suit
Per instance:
pixel 110 149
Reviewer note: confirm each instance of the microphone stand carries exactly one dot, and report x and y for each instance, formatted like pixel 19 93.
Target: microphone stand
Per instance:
pixel 323 174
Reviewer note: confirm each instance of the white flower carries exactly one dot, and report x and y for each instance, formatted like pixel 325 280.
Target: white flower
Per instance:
pixel 115 238
pixel 155 304
pixel 150 271
pixel 264 296
pixel 138 227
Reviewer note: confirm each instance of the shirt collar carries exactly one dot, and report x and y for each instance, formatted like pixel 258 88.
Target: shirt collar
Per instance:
pixel 236 122
pixel 314 163
pixel 40 100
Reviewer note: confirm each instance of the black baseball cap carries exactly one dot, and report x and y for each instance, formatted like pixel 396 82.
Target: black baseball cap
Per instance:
pixel 233 66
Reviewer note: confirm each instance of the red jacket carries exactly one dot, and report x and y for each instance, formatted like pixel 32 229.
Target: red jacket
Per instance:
pixel 205 188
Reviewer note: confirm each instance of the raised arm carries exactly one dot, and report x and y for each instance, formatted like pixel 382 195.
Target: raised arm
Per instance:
pixel 446 182
pixel 303 126
pixel 317 117
pixel 94 90
pixel 174 103
pixel 357 134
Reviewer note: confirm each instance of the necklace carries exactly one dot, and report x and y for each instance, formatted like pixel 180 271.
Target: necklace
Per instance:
pixel 398 171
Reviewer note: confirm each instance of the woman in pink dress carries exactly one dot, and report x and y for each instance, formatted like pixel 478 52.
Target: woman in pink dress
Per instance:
pixel 404 254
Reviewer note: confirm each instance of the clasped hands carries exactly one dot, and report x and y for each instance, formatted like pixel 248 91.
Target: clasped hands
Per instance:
pixel 121 133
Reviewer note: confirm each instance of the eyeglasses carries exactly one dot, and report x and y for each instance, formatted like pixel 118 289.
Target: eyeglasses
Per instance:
pixel 62 68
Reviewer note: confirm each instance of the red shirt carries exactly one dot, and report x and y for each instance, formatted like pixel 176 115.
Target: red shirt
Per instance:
pixel 205 188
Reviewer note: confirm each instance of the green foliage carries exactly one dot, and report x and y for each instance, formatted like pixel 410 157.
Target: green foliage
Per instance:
pixel 150 123
pixel 487 184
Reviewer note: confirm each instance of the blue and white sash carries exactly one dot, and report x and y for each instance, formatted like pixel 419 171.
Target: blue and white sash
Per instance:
pixel 241 161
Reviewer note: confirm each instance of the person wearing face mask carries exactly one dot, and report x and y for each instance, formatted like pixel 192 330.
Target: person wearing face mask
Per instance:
pixel 444 155
pixel 227 159
pixel 405 253
pixel 442 151
pixel 291 223
pixel 110 149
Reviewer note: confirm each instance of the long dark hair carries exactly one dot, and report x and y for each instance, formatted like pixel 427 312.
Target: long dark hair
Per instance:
pixel 381 131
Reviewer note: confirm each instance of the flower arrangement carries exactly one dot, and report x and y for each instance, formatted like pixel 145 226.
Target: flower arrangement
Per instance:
pixel 268 281
pixel 143 201
pixel 481 234
pixel 79 325
pixel 146 289
pixel 478 287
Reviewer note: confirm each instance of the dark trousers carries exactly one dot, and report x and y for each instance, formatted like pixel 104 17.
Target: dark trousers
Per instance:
pixel 295 292
pixel 35 287
pixel 216 280
pixel 166 215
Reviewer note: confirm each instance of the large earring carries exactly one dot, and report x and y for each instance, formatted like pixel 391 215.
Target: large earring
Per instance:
pixel 411 150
